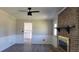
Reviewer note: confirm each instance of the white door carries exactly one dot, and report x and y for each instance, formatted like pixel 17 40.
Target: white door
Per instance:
pixel 27 33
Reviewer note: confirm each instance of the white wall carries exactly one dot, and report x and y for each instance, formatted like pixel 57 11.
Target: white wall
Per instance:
pixel 41 31
pixel 7 30
pixel 54 38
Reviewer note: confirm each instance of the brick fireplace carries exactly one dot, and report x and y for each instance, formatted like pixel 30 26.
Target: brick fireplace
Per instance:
pixel 70 17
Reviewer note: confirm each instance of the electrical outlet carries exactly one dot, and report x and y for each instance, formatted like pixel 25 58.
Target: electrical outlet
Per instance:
pixel 43 39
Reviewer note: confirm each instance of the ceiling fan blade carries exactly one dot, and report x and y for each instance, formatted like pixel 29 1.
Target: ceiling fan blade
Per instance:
pixel 35 11
pixel 23 11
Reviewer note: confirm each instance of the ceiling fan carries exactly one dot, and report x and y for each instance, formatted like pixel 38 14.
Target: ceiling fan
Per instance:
pixel 29 12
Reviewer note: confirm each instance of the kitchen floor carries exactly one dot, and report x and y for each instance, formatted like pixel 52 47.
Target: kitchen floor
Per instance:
pixel 31 48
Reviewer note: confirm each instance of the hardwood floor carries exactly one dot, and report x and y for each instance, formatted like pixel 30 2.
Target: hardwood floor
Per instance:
pixel 31 48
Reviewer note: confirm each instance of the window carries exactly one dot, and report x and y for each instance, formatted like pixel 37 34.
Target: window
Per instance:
pixel 55 30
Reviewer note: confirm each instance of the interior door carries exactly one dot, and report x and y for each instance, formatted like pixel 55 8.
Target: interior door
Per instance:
pixel 27 33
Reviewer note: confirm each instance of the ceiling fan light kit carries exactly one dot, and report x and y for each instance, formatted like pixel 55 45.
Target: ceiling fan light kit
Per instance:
pixel 29 14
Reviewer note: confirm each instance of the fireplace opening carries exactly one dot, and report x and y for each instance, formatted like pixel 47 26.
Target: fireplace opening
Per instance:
pixel 63 43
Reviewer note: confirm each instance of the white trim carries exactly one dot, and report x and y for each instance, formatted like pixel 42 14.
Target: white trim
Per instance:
pixel 61 10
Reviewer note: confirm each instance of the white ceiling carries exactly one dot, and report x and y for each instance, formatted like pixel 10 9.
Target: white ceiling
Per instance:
pixel 45 12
